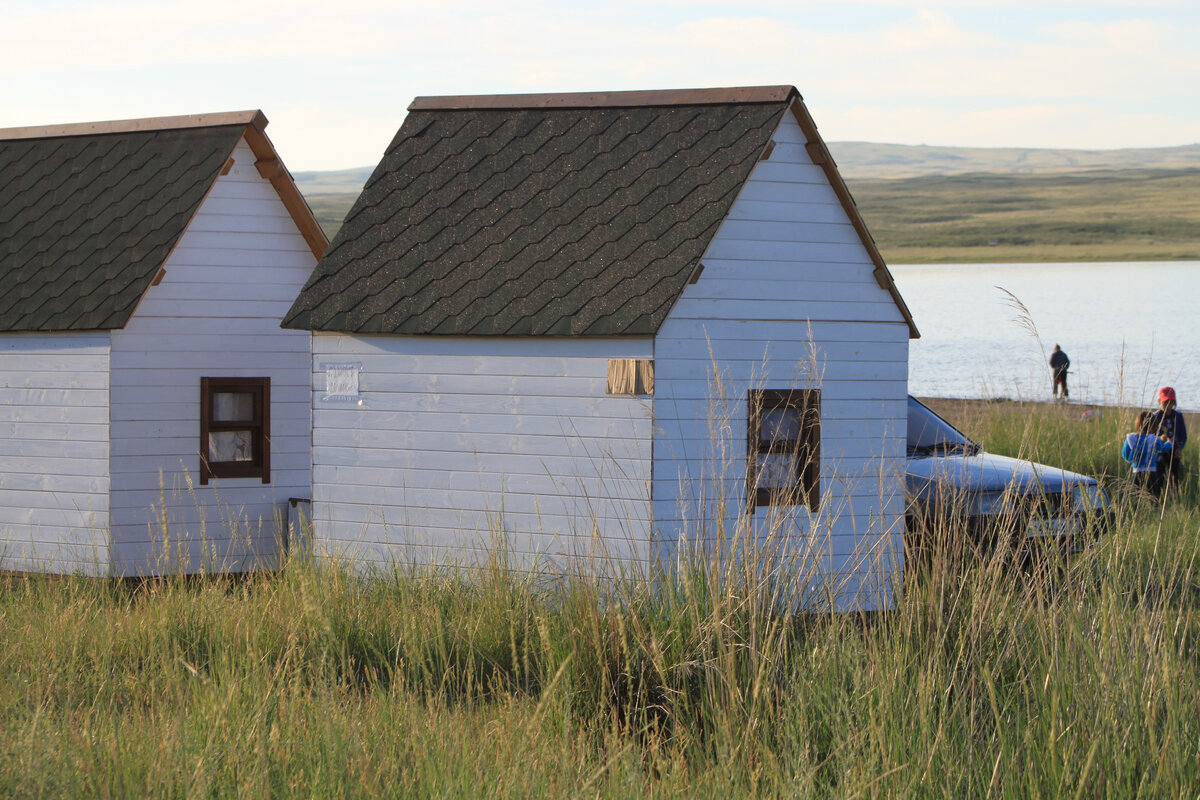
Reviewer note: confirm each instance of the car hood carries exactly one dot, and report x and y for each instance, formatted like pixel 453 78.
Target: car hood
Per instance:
pixel 987 472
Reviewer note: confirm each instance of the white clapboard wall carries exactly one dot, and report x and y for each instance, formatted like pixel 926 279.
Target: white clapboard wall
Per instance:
pixel 216 313
pixel 54 452
pixel 786 299
pixel 460 449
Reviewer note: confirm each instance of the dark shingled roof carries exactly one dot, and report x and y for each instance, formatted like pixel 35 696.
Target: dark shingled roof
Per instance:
pixel 540 214
pixel 87 219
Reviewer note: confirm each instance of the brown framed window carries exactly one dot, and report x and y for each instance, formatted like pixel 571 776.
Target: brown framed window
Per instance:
pixel 235 428
pixel 784 456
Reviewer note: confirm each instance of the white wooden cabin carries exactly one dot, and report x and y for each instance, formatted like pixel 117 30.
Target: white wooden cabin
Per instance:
pixel 145 261
pixel 566 326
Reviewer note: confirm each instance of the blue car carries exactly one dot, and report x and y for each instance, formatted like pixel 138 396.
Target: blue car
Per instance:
pixel 955 487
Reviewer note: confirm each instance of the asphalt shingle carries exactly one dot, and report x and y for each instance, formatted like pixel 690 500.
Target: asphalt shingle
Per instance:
pixel 582 220
pixel 86 220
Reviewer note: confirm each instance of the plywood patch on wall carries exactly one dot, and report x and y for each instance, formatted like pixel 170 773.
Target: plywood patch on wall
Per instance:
pixel 630 376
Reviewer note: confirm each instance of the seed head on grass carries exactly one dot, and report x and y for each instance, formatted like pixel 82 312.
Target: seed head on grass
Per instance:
pixel 1023 318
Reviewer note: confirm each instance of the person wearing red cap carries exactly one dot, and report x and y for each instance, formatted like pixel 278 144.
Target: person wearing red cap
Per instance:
pixel 1168 421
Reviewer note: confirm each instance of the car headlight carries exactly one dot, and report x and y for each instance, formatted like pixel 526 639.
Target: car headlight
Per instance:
pixel 1088 497
pixel 986 504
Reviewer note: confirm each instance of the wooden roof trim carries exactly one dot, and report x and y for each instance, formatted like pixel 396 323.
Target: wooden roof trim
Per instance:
pixel 821 157
pixel 271 167
pixel 660 97
pixel 254 118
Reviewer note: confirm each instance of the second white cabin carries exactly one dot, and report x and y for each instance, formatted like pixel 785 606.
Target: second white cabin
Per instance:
pixel 621 326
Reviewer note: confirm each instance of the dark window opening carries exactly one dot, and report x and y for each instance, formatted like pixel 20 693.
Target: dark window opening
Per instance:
pixel 784 463
pixel 235 428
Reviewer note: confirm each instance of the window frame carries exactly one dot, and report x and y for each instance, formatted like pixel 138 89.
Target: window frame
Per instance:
pixel 259 428
pixel 806 449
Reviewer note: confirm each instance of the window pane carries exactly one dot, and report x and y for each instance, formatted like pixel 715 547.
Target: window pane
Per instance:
pixel 230 446
pixel 780 425
pixel 233 406
pixel 777 471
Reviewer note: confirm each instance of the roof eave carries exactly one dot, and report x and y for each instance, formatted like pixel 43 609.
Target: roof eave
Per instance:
pixel 657 97
pixel 271 168
pixel 253 117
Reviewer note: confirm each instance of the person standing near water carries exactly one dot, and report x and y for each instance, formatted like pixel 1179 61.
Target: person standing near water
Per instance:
pixel 1059 364
pixel 1167 421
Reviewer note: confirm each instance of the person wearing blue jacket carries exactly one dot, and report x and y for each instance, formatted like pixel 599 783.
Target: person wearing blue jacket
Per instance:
pixel 1142 449
pixel 1168 421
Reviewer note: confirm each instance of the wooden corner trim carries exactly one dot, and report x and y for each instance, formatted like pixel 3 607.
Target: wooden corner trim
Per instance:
pixel 820 155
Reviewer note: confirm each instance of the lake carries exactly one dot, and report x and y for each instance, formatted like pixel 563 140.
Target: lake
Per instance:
pixel 1127 327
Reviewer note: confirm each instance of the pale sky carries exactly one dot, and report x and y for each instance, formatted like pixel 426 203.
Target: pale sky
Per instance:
pixel 334 77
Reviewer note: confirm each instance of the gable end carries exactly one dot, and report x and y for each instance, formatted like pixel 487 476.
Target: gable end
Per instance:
pixel 90 212
pixel 819 153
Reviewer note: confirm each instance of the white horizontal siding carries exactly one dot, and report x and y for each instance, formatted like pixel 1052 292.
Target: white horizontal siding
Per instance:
pixel 386 481
pixel 766 271
pixel 461 446
pixel 787 299
pixel 54 452
pixel 231 278
pixel 808 213
pixel 751 331
pixel 44 377
pixel 185 405
pixel 834 253
pixel 685 362
pixel 758 230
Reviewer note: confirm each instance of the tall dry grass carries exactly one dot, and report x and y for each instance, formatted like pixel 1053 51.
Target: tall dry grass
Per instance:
pixel 1072 679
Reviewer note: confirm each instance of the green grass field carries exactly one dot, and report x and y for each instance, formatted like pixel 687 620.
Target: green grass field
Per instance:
pixel 1109 215
pixel 1079 680
pixel 1099 215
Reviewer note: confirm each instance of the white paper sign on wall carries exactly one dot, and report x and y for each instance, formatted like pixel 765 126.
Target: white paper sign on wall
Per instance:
pixel 341 382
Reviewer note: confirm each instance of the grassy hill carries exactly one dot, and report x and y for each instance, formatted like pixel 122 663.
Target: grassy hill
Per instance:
pixel 868 160
pixel 1104 215
pixel 950 205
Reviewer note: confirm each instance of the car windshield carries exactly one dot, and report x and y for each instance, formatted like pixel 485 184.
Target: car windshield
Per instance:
pixel 929 434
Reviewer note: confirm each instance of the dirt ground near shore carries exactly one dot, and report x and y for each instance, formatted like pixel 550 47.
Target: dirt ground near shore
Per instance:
pixel 960 412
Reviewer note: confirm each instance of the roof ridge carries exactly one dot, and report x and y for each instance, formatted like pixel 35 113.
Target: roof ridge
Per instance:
pixel 253 117
pixel 654 97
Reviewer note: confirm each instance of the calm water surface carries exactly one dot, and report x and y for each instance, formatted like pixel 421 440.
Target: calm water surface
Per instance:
pixel 1128 328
